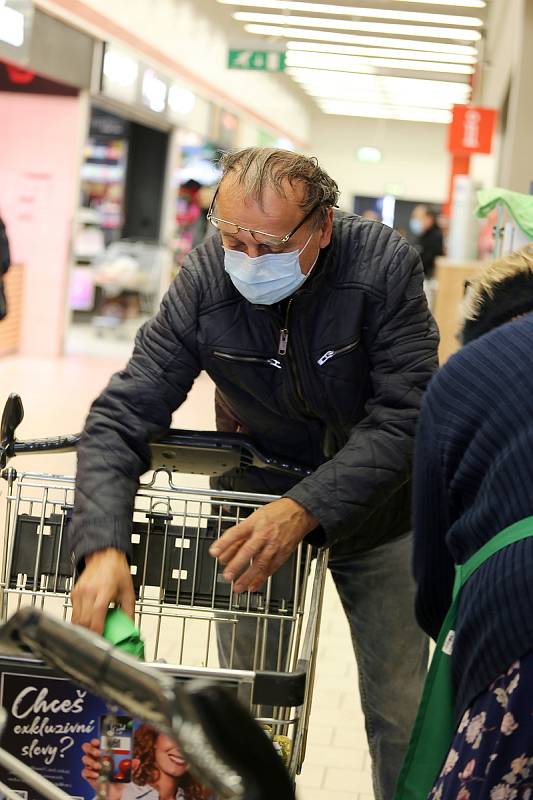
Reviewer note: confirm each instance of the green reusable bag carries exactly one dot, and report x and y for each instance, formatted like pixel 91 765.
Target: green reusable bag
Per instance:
pixel 121 632
pixel 436 723
pixel 520 206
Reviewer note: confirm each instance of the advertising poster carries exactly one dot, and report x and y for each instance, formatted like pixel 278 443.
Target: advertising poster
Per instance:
pixel 68 736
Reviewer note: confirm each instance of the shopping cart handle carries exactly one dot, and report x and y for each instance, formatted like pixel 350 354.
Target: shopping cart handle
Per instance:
pixel 190 452
pixel 214 452
pixel 12 416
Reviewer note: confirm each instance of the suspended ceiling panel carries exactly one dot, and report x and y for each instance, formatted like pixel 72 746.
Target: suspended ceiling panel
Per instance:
pixel 400 59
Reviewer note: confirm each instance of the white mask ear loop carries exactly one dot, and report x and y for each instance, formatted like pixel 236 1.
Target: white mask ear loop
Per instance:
pixel 311 268
pixel 305 245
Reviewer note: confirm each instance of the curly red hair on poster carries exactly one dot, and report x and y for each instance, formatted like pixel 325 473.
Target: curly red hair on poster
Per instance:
pixel 148 772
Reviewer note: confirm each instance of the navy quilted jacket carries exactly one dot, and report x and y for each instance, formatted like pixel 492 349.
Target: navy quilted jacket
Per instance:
pixel 343 398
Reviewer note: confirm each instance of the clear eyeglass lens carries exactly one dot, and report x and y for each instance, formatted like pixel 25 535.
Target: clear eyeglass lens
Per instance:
pixel 232 230
pixel 269 241
pixel 225 227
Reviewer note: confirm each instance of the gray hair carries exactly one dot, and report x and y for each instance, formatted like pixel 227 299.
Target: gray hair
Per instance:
pixel 255 168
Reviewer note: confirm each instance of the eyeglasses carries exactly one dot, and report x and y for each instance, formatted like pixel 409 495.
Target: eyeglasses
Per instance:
pixel 268 239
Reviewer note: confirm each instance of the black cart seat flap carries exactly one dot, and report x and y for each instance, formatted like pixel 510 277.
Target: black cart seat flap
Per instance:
pixel 41 555
pixel 170 563
pixel 175 560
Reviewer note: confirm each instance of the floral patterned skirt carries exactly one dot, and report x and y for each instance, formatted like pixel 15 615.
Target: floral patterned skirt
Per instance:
pixel 492 753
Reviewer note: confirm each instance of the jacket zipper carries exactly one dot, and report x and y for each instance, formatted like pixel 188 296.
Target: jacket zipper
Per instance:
pixel 283 341
pixel 270 362
pixel 284 332
pixel 282 351
pixel 332 353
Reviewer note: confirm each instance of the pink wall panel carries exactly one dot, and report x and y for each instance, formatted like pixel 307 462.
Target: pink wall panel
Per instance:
pixel 39 163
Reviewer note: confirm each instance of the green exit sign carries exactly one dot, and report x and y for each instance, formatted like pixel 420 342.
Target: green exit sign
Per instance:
pixel 264 60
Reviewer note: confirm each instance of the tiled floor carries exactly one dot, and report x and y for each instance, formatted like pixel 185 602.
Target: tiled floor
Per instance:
pixel 56 396
pixel 337 763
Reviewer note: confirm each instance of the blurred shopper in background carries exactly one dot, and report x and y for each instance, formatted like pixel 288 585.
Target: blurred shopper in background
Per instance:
pixel 430 244
pixel 315 329
pixel 369 213
pixel 201 227
pixel 429 240
pixel 473 480
pixel 5 263
pixel 486 241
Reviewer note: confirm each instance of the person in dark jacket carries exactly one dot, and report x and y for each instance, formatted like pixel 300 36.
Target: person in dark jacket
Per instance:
pixel 315 329
pixel 429 240
pixel 5 263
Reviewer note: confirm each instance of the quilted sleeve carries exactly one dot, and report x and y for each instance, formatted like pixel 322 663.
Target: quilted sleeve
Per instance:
pixel 401 342
pixel 135 408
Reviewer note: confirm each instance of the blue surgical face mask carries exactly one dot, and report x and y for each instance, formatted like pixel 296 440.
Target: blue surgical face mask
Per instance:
pixel 416 226
pixel 267 279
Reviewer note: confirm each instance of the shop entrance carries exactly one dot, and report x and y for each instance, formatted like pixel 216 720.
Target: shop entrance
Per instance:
pixel 119 264
pixel 144 182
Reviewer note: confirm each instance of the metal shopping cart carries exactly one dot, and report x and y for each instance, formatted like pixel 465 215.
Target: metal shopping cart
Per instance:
pixel 182 599
pixel 132 277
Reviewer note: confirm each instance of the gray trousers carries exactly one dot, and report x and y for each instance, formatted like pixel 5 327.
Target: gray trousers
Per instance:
pixel 377 593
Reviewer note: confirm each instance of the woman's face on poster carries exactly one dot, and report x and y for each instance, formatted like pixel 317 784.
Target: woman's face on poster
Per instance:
pixel 168 757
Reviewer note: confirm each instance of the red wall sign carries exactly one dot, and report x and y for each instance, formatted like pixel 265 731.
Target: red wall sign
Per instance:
pixel 17 79
pixel 18 75
pixel 471 130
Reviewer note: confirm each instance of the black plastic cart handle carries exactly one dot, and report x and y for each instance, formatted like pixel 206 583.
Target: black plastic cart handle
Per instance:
pixel 190 452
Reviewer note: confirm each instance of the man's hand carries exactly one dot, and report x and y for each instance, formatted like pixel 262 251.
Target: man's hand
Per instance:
pixel 268 536
pixel 105 579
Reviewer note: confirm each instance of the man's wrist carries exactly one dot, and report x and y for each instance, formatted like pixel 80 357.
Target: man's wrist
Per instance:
pixel 305 521
pixel 105 552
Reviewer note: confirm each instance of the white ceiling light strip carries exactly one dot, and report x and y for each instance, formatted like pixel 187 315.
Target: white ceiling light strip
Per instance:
pixel 353 63
pixel 447 3
pixel 362 100
pixel 375 111
pixel 420 84
pixel 423 92
pixel 454 3
pixel 295 67
pixel 422 31
pixel 368 13
pixel 380 52
pixel 279 31
pixel 383 97
pixel 464 4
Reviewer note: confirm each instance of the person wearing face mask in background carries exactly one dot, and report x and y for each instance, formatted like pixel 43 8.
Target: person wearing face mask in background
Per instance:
pixel 315 329
pixel 429 242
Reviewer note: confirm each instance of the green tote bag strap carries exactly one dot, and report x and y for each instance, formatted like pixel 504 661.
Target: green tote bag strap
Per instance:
pixel 435 724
